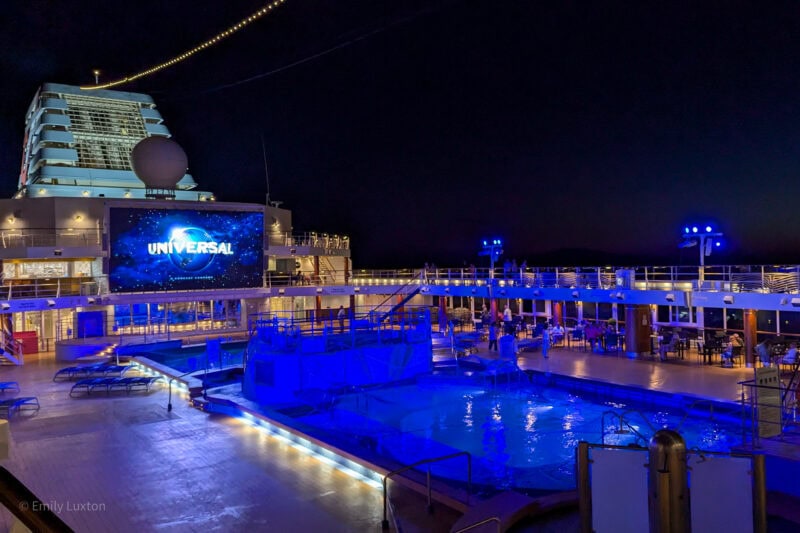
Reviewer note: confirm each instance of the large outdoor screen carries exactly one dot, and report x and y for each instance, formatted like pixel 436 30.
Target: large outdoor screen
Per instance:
pixel 184 249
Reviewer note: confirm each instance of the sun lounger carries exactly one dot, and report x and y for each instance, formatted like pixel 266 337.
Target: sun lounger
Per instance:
pixel 9 385
pixel 15 405
pixel 73 372
pixel 142 383
pixel 90 384
pixel 113 370
pixel 529 345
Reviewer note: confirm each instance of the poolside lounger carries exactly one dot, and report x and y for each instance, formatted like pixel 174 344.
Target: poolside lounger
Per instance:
pixel 113 370
pixel 9 385
pixel 90 384
pixel 16 405
pixel 72 372
pixel 142 383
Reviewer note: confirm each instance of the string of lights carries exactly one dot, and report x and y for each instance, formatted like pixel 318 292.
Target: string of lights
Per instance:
pixel 202 46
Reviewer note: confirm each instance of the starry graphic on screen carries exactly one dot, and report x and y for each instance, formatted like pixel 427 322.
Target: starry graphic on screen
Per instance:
pixel 182 249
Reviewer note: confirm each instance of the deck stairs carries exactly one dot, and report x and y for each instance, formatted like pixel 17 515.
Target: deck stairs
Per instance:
pixel 11 352
pixel 327 269
pixel 503 511
pixel 411 292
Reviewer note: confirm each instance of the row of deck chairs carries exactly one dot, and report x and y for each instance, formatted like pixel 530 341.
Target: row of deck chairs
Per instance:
pixel 91 371
pixel 109 385
pixel 11 406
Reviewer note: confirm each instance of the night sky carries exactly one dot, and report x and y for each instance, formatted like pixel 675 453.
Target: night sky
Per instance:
pixel 586 134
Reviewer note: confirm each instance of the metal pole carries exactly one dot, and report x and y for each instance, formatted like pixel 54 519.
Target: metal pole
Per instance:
pixel 759 495
pixel 668 486
pixel 584 488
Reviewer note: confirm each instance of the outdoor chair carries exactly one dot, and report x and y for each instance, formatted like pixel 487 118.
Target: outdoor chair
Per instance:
pixel 88 386
pixel 72 372
pixel 9 385
pixel 16 405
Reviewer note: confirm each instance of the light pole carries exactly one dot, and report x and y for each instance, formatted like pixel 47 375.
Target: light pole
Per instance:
pixel 493 249
pixel 705 241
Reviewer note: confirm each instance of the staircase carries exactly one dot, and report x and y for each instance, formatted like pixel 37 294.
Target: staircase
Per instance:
pixel 11 352
pixel 326 267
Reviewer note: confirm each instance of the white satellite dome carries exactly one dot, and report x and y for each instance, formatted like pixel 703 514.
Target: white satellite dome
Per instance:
pixel 159 162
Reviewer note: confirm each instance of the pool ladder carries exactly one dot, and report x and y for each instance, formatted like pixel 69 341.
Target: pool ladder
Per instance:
pixel 385 522
pixel 624 426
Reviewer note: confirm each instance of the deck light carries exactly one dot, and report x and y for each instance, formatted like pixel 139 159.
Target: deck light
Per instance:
pixel 705 240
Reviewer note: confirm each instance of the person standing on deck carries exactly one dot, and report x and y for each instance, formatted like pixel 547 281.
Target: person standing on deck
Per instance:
pixel 341 316
pixel 493 336
pixel 545 342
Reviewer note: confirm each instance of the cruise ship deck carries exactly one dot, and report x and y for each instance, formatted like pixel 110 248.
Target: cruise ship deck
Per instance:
pixel 126 463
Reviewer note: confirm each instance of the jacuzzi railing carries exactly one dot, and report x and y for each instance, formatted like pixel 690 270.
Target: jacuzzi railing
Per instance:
pixel 495 519
pixel 385 522
pixel 624 422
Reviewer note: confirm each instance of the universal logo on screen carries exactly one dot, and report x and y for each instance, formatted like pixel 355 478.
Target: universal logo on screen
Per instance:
pixel 191 249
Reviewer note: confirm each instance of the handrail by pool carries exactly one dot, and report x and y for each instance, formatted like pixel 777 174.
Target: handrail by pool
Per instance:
pixel 621 418
pixel 482 522
pixel 385 522
pixel 169 398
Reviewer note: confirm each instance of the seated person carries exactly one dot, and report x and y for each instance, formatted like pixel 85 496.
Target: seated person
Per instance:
pixel 558 333
pixel 668 346
pixel 734 346
pixel 762 351
pixel 791 356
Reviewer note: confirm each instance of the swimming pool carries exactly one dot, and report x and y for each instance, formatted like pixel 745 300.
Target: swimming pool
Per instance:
pixel 191 358
pixel 520 436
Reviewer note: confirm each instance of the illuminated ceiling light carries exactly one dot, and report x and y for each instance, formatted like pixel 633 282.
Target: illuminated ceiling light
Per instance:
pixel 78 217
pixel 41 191
pixel 85 193
pixel 11 219
pixel 127 194
pixel 708 229
pixel 694 229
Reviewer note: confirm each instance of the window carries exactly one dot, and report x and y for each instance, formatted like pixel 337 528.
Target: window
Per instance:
pixel 713 318
pixel 767 321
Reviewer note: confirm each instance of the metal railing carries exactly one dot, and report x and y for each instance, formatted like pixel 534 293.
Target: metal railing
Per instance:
pixel 495 519
pixel 731 278
pixel 385 522
pixel 286 331
pixel 763 279
pixel 624 427
pixel 29 509
pixel 310 239
pixel 32 237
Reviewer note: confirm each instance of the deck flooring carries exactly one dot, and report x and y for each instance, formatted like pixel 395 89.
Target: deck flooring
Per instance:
pixel 124 463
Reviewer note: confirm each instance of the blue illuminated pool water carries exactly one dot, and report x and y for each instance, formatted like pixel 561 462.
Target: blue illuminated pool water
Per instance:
pixel 519 437
pixel 195 357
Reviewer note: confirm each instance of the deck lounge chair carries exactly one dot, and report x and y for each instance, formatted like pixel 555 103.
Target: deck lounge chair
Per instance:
pixel 114 370
pixel 89 385
pixel 15 405
pixel 72 372
pixel 142 383
pixel 9 385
